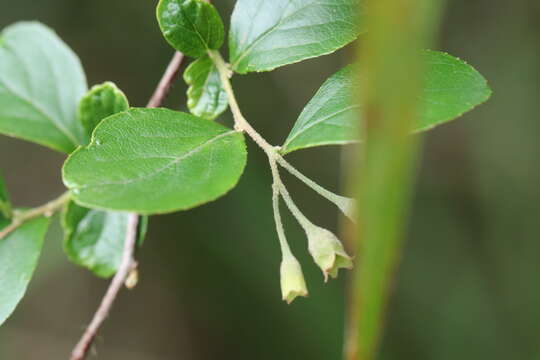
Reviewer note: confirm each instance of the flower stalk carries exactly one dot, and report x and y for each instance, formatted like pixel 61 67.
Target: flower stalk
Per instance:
pixel 324 246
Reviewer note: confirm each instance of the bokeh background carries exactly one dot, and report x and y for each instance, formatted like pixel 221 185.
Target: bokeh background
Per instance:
pixel 468 286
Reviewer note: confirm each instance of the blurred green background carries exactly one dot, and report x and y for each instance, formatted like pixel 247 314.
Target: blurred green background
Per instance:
pixel 209 286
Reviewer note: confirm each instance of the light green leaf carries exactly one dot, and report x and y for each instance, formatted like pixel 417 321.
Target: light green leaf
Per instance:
pixel 100 102
pixel 19 253
pixel 191 26
pixel 95 239
pixel 5 204
pixel 267 34
pixel 206 96
pixel 41 82
pixel 155 161
pixel 452 88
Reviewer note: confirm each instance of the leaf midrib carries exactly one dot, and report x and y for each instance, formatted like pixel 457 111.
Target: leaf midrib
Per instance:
pixel 190 153
pixel 41 111
pixel 266 33
pixel 311 124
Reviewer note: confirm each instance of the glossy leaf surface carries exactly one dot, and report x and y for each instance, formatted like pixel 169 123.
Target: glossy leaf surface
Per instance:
pixel 41 82
pixel 190 26
pixel 95 239
pixel 206 96
pixel 452 88
pixel 100 102
pixel 155 161
pixel 267 34
pixel 19 254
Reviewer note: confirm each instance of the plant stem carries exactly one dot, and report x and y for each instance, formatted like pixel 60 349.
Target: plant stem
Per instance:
pixel 45 210
pixel 285 249
pixel 126 266
pixel 128 263
pixel 166 81
pixel 241 124
pixel 302 219
pixel 345 204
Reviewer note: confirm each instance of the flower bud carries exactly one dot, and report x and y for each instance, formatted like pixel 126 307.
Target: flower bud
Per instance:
pixel 292 279
pixel 327 251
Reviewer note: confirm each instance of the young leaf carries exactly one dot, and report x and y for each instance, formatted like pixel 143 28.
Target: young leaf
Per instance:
pixel 267 34
pixel 19 253
pixel 155 161
pixel 100 102
pixel 5 204
pixel 206 96
pixel 452 88
pixel 94 239
pixel 191 26
pixel 41 81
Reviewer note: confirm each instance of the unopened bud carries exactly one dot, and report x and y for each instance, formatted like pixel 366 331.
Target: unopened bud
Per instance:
pixel 292 279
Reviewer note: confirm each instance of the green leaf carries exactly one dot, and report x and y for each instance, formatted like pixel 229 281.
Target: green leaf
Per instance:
pixel 191 26
pixel 206 96
pixel 452 88
pixel 155 161
pixel 19 253
pixel 329 117
pixel 94 239
pixel 5 204
pixel 41 82
pixel 267 34
pixel 100 102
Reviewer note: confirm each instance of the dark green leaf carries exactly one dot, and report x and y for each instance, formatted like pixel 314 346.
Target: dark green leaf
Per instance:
pixel 95 239
pixel 100 102
pixel 5 204
pixel 155 161
pixel 19 253
pixel 41 82
pixel 452 88
pixel 206 96
pixel 191 26
pixel 268 34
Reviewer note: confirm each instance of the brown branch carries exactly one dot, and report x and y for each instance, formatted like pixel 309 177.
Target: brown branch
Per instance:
pixel 128 262
pixel 166 82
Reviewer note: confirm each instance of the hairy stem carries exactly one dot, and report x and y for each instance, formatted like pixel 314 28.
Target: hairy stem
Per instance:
pixel 241 124
pixel 128 263
pixel 45 210
pixel 300 217
pixel 285 249
pixel 345 204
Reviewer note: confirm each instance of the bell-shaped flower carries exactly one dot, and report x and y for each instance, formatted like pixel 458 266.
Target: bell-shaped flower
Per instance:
pixel 327 251
pixel 292 279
